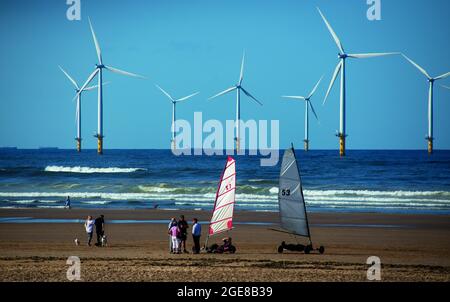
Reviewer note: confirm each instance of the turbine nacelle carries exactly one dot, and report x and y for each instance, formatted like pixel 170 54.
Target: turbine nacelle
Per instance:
pixel 100 66
pixel 342 56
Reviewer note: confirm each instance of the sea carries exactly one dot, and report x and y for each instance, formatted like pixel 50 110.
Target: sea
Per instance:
pixel 363 181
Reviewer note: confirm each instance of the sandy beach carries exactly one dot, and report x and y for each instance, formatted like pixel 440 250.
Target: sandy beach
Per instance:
pixel 411 248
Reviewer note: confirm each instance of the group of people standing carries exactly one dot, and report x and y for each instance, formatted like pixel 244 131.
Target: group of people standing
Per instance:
pixel 178 231
pixel 99 224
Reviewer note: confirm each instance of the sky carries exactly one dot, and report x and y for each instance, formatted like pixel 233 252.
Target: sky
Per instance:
pixel 189 46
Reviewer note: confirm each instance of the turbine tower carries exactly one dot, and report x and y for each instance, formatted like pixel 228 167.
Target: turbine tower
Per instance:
pixel 78 110
pixel 431 81
pixel 174 102
pixel 238 87
pixel 308 105
pixel 343 56
pixel 99 70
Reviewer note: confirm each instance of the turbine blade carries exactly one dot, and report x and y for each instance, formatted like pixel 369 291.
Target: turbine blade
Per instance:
pixel 97 46
pixel 443 86
pixel 187 97
pixel 443 76
pixel 241 76
pixel 223 92
pixel 251 96
pixel 94 87
pixel 124 72
pixel 417 66
pixel 165 92
pixel 314 111
pixel 333 34
pixel 315 88
pixel 70 78
pixel 293 97
pixel 371 55
pixel 87 82
pixel 333 79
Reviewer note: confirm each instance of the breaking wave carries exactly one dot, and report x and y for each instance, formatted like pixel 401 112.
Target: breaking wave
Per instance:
pixel 90 170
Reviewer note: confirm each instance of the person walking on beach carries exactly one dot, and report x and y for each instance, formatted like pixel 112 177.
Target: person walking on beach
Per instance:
pixel 196 233
pixel 183 226
pixel 89 226
pixel 67 205
pixel 174 233
pixel 171 223
pixel 100 229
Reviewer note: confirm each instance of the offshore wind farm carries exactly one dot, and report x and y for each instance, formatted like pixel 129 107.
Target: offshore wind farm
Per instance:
pixel 379 191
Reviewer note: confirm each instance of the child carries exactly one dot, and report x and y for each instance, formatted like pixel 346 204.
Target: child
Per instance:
pixel 174 232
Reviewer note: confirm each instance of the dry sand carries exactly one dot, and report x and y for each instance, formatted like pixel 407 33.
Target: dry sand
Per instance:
pixel 412 248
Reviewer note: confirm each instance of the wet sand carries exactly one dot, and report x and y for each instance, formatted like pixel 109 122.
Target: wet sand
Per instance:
pixel 411 248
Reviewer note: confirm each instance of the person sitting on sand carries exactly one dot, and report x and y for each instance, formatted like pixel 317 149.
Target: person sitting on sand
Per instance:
pixel 89 226
pixel 67 205
pixel 183 226
pixel 174 233
pixel 100 229
pixel 196 233
pixel 171 223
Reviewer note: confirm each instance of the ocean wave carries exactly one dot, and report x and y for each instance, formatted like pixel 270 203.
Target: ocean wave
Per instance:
pixel 375 193
pixel 98 202
pixel 164 194
pixel 90 170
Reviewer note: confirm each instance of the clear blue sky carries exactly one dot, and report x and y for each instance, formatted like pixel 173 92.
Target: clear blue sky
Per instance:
pixel 187 46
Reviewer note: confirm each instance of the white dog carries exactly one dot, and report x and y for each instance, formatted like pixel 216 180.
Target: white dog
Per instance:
pixel 104 240
pixel 77 242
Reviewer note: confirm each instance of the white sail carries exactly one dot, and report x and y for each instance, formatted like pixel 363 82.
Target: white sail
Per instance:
pixel 222 218
pixel 290 197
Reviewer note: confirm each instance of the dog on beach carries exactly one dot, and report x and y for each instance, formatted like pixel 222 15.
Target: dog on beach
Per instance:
pixel 104 241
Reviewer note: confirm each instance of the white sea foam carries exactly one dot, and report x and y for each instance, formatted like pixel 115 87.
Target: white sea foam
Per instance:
pixel 91 170
pixel 96 202
pixel 320 198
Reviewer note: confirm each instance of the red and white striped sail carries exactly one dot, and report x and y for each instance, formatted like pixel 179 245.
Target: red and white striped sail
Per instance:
pixel 222 218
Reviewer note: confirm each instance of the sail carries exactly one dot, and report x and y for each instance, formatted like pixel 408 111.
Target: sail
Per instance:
pixel 222 218
pixel 290 197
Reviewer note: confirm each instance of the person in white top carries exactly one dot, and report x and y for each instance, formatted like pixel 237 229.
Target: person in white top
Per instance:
pixel 89 226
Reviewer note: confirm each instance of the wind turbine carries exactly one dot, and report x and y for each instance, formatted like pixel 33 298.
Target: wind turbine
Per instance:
pixel 78 110
pixel 446 87
pixel 308 105
pixel 174 102
pixel 238 87
pixel 99 70
pixel 431 81
pixel 343 56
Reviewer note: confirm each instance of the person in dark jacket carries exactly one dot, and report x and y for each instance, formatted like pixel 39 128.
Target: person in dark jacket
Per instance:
pixel 183 226
pixel 100 229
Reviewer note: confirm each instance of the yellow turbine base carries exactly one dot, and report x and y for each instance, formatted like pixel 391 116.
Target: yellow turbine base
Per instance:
pixel 306 145
pixel 237 145
pixel 342 145
pixel 430 146
pixel 100 145
pixel 78 145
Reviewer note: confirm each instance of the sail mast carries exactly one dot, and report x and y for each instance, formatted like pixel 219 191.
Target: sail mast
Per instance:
pixel 301 191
